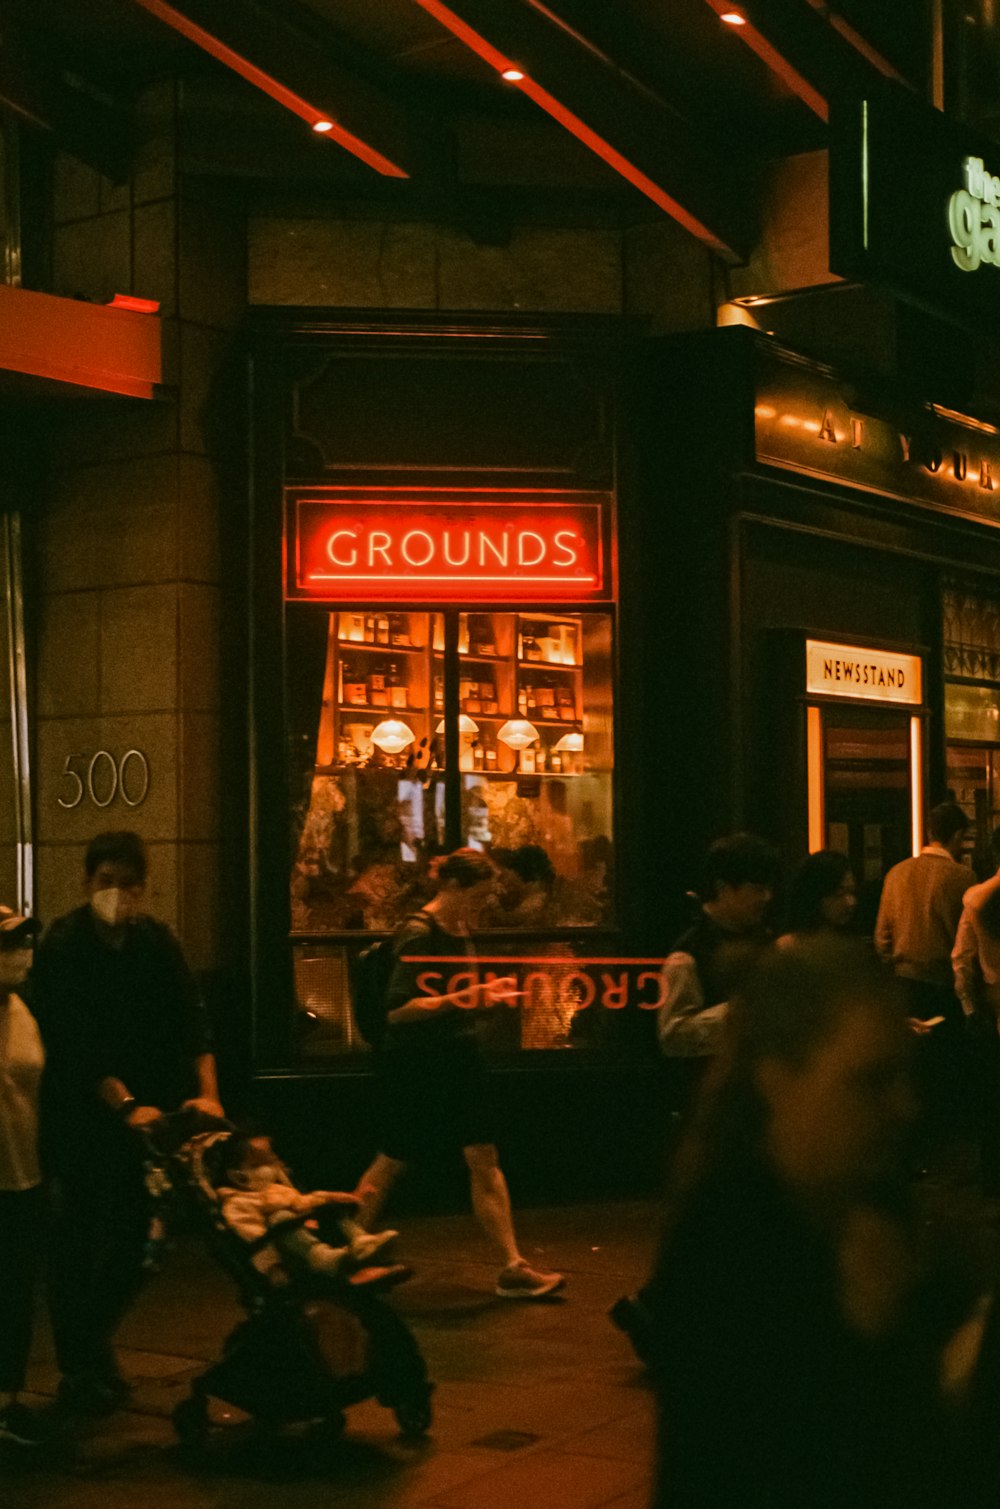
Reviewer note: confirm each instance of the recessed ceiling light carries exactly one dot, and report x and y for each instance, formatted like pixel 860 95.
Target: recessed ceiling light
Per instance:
pixel 322 125
pixel 512 75
pixel 733 18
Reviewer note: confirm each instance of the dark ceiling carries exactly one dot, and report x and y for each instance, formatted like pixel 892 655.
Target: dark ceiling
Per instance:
pixel 663 86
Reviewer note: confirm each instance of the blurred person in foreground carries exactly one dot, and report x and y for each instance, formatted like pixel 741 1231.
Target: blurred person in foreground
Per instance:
pixel 700 975
pixel 127 1038
pixel 805 1359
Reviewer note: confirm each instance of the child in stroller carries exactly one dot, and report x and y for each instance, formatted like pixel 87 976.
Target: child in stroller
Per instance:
pixel 318 1335
pixel 258 1199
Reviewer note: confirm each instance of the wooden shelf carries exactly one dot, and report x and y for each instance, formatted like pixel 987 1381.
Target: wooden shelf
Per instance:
pixel 493 659
pixel 384 649
pixel 383 712
pixel 549 665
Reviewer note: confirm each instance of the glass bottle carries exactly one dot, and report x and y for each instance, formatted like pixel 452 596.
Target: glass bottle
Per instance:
pixel 369 628
pixel 396 687
pixel 477 755
pixel 382 629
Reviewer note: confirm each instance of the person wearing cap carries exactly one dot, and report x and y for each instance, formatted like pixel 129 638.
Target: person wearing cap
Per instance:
pixel 22 1210
pixel 127 1037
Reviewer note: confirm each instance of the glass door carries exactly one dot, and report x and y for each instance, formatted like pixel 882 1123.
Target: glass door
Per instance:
pixel 866 798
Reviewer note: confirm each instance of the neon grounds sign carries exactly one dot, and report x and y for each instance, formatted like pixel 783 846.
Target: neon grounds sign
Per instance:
pixel 439 546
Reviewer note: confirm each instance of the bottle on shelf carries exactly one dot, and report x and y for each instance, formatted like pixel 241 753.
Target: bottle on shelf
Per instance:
pixel 396 687
pixel 527 763
pixel 491 757
pixel 353 628
pixel 369 628
pixel 382 628
pixel 532 703
pixel 540 758
pixel 545 696
pixel 522 701
pixel 378 692
pixel 463 634
pixel 556 762
pixel 438 693
pixel 478 757
pixel 531 649
pixel 399 630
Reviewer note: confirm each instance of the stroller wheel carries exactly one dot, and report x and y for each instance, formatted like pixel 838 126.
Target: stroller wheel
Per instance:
pixel 415 1416
pixel 191 1421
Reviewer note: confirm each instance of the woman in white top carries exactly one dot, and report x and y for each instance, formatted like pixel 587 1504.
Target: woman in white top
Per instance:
pixel 22 1214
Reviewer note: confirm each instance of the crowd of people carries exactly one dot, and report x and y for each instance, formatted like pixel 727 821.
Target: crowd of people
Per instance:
pixel 806 1352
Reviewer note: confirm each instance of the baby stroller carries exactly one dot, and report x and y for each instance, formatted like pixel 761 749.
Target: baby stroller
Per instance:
pixel 307 1350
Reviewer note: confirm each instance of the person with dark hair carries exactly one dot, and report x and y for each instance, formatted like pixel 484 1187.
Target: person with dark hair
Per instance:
pixel 710 958
pixel 127 1038
pixel 919 913
pixel 699 977
pixel 823 896
pixel 22 1207
pixel 976 963
pixel 798 1345
pixel 433 1091
pixel 915 932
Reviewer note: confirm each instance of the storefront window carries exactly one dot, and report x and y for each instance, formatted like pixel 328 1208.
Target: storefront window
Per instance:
pixel 523 704
pixel 972 713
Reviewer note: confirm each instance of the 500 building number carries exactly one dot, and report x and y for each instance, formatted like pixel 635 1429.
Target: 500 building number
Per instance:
pixel 101 778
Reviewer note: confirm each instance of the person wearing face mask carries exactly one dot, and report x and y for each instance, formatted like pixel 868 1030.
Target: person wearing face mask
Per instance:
pixel 127 1039
pixel 22 1213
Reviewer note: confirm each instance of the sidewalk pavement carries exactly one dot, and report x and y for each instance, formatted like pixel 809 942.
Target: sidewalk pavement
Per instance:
pixel 538 1405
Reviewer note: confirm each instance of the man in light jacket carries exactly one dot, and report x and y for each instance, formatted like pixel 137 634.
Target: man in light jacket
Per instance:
pixel 918 919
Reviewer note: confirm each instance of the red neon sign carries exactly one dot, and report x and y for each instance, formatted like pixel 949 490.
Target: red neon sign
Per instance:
pixel 518 548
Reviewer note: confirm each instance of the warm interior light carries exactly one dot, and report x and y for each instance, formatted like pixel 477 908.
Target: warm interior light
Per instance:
pixel 733 18
pixel 323 125
pixel 917 784
pixel 466 725
pixel 512 75
pixel 392 735
pixel 518 733
pixel 817 793
pixel 571 743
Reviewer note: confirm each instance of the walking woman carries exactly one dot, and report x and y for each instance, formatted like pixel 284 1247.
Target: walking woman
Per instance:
pixel 433 1090
pixel 22 1214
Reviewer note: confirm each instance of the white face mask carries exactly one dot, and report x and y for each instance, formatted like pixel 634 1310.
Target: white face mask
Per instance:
pixel 113 906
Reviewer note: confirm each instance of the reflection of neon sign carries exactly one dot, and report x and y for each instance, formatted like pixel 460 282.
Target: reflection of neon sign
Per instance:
pixel 341 548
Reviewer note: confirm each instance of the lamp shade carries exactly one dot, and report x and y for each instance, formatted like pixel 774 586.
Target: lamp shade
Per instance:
pixel 465 725
pixel 517 733
pixel 392 735
pixel 571 743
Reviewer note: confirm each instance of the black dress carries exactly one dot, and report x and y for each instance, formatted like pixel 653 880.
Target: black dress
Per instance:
pixel 433 1094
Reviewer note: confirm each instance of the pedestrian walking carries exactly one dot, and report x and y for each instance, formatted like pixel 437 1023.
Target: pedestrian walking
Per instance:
pixel 22 1209
pixel 976 962
pixel 700 975
pixel 915 932
pixel 433 1092
pixel 127 1037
